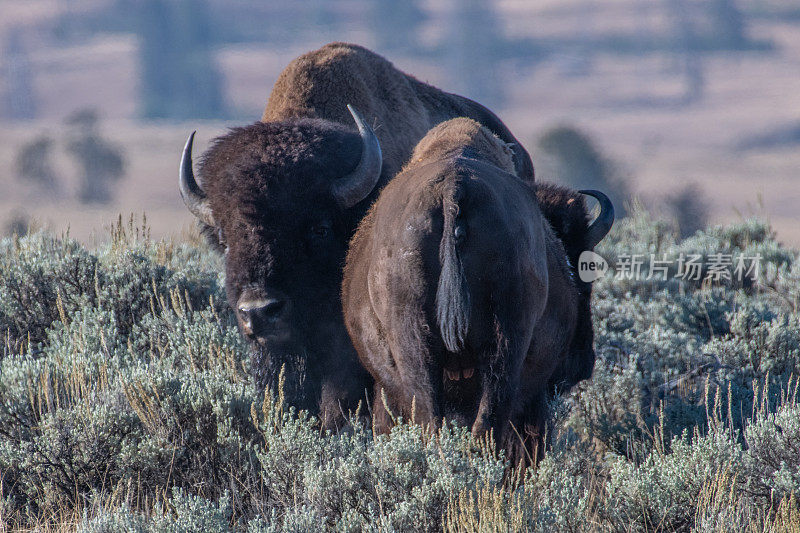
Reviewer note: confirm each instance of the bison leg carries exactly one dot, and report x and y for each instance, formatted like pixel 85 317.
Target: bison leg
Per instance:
pixel 525 441
pixel 386 410
pixel 381 418
pixel 493 408
pixel 500 385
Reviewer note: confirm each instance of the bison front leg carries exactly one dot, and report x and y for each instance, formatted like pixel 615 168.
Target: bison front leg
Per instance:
pixel 413 405
pixel 525 441
pixel 500 381
pixel 381 416
pixel 494 407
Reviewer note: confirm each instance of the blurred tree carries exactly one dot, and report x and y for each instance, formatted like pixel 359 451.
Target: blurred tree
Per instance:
pixel 179 77
pixel 101 162
pixel 321 14
pixel 34 165
pixel 19 224
pixel 729 25
pixel 688 49
pixel 689 208
pixel 395 25
pixel 577 163
pixel 474 44
pixel 17 73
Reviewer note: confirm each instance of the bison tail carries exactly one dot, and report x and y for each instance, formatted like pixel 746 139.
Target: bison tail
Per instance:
pixel 452 294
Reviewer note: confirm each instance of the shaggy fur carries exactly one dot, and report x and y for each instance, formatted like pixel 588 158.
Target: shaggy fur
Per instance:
pixel 457 293
pixel 269 187
pixel 452 292
pixel 565 209
pixel 401 108
pixel 270 195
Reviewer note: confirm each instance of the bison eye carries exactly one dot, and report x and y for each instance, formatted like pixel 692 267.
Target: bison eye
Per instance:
pixel 320 231
pixel 221 239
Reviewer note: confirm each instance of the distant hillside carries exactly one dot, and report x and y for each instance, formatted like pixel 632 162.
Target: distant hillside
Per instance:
pixel 670 106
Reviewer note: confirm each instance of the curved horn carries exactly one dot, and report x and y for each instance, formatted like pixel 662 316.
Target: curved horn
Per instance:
pixel 351 189
pixel 193 196
pixel 602 224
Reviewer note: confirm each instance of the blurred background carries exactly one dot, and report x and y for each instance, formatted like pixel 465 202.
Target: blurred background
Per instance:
pixel 690 107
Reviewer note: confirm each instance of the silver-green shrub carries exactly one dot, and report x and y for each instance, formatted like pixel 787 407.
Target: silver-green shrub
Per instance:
pixel 126 404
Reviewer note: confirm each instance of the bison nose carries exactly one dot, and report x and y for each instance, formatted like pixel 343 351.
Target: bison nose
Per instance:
pixel 260 315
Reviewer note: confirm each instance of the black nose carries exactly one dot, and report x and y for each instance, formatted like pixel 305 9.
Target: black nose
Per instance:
pixel 260 315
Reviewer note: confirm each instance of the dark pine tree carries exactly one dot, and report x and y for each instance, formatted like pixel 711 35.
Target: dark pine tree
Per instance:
pixel 17 73
pixel 395 25
pixel 179 78
pixel 473 47
pixel 101 162
pixel 35 165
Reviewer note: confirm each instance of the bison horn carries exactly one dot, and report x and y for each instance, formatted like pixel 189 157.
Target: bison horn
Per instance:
pixel 351 189
pixel 193 196
pixel 602 224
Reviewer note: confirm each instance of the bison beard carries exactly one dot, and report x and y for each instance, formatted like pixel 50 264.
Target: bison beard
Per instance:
pixel 287 371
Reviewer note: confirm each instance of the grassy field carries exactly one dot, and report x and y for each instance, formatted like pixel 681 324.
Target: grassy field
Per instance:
pixel 126 405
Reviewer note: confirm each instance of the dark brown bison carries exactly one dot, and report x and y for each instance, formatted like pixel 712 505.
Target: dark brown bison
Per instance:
pixel 283 196
pixel 566 212
pixel 458 296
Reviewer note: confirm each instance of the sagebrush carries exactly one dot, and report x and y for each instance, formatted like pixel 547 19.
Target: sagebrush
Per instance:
pixel 126 404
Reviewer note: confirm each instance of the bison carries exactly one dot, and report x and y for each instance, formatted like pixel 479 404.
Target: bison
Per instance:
pixel 283 196
pixel 459 297
pixel 565 210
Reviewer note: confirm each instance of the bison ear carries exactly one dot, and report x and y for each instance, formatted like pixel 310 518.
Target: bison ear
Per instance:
pixel 351 189
pixel 602 224
pixel 193 196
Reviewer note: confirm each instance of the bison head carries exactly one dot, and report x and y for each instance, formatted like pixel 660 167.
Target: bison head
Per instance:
pixel 282 200
pixel 566 211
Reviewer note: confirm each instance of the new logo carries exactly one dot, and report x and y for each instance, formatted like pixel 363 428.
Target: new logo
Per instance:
pixel 591 266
